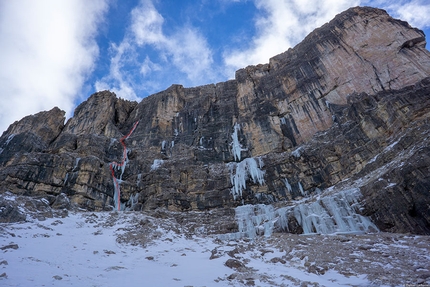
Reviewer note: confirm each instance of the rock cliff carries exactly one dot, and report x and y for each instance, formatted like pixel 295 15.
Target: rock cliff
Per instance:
pixel 348 107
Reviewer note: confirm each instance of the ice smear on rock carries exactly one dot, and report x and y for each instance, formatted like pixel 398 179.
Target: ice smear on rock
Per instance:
pixel 134 199
pixel 240 172
pixel 157 163
pixel 76 163
pixel 330 214
pixel 9 138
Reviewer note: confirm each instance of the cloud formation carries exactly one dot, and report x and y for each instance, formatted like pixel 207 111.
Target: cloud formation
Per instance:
pixel 415 12
pixel 47 49
pixel 183 55
pixel 282 24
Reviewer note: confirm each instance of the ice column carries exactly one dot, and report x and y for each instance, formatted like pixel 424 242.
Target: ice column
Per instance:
pixel 235 145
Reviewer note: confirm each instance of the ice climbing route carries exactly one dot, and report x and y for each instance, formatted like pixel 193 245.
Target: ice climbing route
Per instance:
pixel 120 166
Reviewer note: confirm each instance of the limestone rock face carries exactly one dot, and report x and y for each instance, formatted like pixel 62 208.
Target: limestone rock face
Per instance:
pixel 33 133
pixel 347 107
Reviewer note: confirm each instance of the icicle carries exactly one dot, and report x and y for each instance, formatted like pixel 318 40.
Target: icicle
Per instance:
pixel 282 218
pixel 301 189
pixel 236 147
pixel 163 145
pixel 123 168
pixel 116 194
pixel 334 213
pixel 260 162
pixel 288 185
pixel 240 173
pixel 252 221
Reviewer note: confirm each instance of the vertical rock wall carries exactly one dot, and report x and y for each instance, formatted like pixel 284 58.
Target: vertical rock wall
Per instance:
pixel 324 113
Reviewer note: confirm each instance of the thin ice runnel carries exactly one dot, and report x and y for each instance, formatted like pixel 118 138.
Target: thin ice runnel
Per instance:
pixel 121 166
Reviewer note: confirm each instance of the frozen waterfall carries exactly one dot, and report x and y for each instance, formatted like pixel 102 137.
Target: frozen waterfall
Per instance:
pixel 236 147
pixel 120 166
pixel 240 172
pixel 333 214
pixel 329 214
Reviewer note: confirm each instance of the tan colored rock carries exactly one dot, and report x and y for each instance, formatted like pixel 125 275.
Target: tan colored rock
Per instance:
pixel 325 113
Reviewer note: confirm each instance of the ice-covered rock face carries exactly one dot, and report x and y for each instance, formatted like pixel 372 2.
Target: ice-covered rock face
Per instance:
pixel 121 166
pixel 325 213
pixel 319 115
pixel 336 213
pixel 247 170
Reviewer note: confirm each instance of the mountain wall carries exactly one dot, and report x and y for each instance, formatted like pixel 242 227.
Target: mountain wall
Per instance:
pixel 348 107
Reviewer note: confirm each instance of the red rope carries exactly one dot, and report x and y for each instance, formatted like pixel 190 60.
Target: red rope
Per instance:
pixel 124 159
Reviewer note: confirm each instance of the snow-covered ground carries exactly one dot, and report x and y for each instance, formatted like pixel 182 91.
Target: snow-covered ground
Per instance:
pixel 135 249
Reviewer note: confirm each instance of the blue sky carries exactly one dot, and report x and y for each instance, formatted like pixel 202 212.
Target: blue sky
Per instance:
pixel 57 53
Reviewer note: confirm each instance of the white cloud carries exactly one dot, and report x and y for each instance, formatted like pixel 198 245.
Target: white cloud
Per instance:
pixel 183 56
pixel 416 13
pixel 148 66
pixel 280 25
pixel 46 50
pixel 186 48
pixel 124 54
pixel 147 24
pixel 190 53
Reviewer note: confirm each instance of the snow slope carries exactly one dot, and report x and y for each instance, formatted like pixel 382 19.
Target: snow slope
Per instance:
pixel 134 249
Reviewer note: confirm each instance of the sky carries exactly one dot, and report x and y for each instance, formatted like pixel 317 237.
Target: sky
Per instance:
pixel 58 53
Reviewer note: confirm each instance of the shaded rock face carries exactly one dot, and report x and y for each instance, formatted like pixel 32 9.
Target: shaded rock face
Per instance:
pixel 347 107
